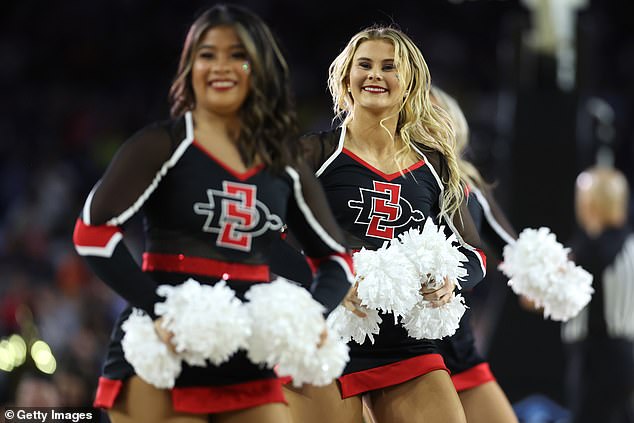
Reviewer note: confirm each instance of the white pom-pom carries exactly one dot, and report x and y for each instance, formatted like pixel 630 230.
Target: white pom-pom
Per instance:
pixel 350 326
pixel 531 260
pixel 151 359
pixel 539 269
pixel 287 324
pixel 426 322
pixel 571 292
pixel 385 281
pixel 208 322
pixel 318 367
pixel 433 254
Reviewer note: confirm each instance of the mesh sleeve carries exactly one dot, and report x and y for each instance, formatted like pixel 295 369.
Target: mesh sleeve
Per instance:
pixel 317 147
pixel 313 225
pixel 496 229
pixel 465 230
pixel 133 174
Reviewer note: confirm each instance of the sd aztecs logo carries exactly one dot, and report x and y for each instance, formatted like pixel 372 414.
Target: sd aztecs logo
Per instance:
pixel 382 209
pixel 236 215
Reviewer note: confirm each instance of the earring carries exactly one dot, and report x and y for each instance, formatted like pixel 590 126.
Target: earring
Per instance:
pixel 349 89
pixel 246 67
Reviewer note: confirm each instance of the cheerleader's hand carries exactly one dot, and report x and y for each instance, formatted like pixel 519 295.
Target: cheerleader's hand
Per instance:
pixel 322 338
pixel 529 305
pixel 352 301
pixel 439 296
pixel 164 334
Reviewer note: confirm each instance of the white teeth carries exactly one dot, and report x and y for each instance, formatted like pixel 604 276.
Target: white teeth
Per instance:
pixel 375 89
pixel 223 84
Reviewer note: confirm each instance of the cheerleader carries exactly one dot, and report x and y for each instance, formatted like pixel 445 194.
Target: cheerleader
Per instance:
pixel 482 398
pixel 216 185
pixel 388 167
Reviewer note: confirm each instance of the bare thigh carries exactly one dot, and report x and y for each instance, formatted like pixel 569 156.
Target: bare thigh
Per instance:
pixel 487 404
pixel 430 398
pixel 311 404
pixel 140 402
pixel 267 413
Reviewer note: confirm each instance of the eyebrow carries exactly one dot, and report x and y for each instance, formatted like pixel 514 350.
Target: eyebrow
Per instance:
pixel 370 60
pixel 211 46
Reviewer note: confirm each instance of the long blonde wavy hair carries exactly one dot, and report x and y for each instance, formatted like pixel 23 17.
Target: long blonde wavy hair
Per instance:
pixel 420 123
pixel 470 173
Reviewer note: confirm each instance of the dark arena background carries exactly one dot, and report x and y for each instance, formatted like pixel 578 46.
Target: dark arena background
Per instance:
pixel 547 87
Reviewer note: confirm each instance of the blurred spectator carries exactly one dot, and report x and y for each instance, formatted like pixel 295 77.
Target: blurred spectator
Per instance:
pixel 600 340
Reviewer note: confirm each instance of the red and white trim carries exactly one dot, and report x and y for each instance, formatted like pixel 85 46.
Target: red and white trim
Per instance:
pixel 107 392
pixel 241 176
pixel 179 263
pixel 308 214
pixel 388 177
pixel 472 378
pixel 221 399
pixel 205 399
pixel 357 383
pixel 99 241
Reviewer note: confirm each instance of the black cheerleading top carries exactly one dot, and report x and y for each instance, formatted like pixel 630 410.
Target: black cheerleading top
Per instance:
pixel 468 368
pixel 492 225
pixel 373 207
pixel 202 218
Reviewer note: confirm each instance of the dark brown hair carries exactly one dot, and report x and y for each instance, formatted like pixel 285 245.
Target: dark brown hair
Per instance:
pixel 268 122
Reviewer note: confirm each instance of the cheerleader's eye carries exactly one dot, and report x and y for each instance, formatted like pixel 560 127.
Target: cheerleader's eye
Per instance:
pixel 207 55
pixel 240 55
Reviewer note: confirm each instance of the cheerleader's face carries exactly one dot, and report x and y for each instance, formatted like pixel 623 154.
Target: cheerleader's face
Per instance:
pixel 373 78
pixel 221 72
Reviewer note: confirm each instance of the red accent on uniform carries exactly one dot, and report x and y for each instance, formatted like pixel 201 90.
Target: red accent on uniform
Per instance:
pixel 314 262
pixel 238 215
pixel 205 399
pixel 382 206
pixel 242 176
pixel 107 392
pixel 467 190
pixel 474 377
pixel 220 399
pixel 93 236
pixel 483 257
pixel 388 177
pixel 178 263
pixel 286 380
pixel 389 375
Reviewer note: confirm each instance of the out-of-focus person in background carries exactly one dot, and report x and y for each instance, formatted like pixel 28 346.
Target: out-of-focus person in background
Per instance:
pixel 216 184
pixel 599 342
pixel 481 396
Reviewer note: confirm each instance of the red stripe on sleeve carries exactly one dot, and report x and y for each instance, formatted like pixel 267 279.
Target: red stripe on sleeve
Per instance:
pixel 483 257
pixel 93 236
